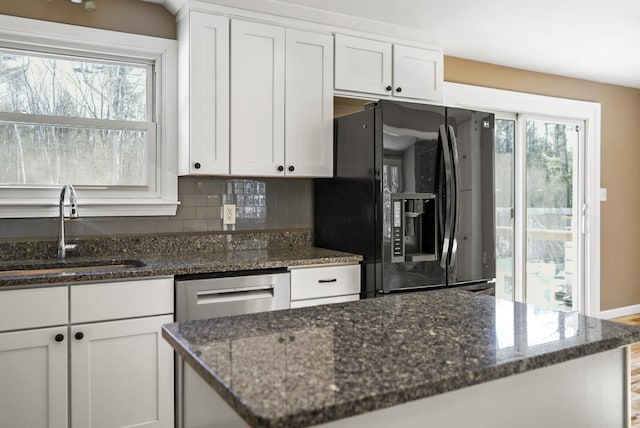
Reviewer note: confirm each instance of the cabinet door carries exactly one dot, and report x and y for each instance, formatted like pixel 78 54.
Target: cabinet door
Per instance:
pixel 204 79
pixel 363 65
pixel 33 369
pixel 121 374
pixel 257 99
pixel 417 73
pixel 309 104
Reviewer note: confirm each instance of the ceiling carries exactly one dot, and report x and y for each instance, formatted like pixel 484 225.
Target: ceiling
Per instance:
pixel 587 39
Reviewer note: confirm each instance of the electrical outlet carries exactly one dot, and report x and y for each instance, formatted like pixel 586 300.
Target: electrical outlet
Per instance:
pixel 229 214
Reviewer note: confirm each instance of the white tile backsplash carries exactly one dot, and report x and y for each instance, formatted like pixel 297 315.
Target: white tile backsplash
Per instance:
pixel 270 203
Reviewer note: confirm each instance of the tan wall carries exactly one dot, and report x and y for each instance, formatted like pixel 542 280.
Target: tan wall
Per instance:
pixel 129 16
pixel 620 153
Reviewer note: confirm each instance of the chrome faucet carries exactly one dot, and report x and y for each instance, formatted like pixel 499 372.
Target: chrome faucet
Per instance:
pixel 73 213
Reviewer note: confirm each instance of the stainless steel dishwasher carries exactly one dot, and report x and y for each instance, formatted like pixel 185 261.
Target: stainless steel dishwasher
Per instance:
pixel 209 296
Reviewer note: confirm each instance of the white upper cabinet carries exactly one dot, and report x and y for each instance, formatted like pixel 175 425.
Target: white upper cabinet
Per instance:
pixel 381 68
pixel 309 104
pixel 257 99
pixel 363 65
pixel 281 101
pixel 256 95
pixel 203 49
pixel 417 73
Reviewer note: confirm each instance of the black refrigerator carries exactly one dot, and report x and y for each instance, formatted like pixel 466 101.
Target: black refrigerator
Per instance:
pixel 413 193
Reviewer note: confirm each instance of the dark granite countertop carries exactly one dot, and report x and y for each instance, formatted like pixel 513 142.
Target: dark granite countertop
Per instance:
pixel 180 263
pixel 307 366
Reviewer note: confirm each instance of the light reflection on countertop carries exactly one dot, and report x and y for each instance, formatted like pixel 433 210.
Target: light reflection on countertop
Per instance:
pixel 528 330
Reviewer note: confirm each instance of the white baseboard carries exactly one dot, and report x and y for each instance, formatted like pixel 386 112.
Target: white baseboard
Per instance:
pixel 620 312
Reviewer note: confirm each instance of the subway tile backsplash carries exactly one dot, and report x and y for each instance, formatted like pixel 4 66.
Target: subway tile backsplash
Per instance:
pixel 261 204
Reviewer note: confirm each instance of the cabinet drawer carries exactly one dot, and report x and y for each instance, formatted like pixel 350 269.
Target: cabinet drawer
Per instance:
pixel 37 307
pixel 121 299
pixel 314 283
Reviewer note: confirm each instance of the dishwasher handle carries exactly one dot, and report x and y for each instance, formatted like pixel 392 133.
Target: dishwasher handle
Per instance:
pixel 207 297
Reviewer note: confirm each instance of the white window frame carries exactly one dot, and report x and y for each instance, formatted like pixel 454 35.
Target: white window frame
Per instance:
pixel 161 195
pixel 476 97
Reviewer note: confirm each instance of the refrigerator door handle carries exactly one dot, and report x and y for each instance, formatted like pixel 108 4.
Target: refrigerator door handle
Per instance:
pixel 456 203
pixel 448 177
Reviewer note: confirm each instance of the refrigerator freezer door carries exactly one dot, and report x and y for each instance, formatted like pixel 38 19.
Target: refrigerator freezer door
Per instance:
pixel 474 234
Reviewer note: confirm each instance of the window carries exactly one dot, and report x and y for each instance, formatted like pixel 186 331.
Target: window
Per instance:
pixel 97 114
pixel 73 120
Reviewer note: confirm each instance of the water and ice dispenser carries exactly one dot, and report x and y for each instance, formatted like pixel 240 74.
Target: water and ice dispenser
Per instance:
pixel 414 228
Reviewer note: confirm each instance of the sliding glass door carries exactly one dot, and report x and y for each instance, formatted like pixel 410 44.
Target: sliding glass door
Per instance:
pixel 539 211
pixel 553 212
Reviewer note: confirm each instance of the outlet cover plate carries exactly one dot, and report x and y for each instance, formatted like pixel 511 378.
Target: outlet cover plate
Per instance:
pixel 228 214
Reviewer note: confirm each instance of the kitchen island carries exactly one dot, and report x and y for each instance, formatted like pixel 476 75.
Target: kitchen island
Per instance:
pixel 437 358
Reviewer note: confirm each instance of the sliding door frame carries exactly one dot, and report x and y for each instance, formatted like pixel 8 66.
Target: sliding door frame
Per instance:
pixel 497 100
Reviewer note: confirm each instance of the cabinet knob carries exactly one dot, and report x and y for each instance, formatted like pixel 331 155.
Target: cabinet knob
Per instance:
pixel 196 165
pixel 398 89
pixel 79 335
pixel 388 88
pixel 292 168
pixel 280 168
pixel 59 337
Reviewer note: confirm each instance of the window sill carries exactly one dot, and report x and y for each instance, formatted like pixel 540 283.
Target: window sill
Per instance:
pixel 28 208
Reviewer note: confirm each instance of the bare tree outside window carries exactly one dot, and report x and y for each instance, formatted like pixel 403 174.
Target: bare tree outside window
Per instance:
pixel 65 119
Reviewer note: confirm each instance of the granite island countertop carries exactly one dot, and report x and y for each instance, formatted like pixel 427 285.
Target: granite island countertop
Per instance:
pixel 181 263
pixel 308 366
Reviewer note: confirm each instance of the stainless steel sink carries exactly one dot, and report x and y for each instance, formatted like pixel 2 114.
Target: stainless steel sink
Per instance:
pixel 97 266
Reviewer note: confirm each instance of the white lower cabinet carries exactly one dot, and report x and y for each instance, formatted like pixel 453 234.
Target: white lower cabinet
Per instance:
pixel 33 373
pixel 321 285
pixel 103 372
pixel 119 374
